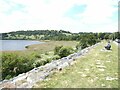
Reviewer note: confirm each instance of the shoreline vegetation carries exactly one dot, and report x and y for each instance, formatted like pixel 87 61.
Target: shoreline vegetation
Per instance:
pixel 35 55
pixel 57 44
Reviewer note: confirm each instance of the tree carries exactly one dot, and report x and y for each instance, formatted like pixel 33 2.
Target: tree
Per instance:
pixel 91 40
pixel 111 36
pixel 106 36
pixel 101 36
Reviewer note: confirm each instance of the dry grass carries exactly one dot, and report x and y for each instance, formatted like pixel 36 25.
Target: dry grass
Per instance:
pixel 50 45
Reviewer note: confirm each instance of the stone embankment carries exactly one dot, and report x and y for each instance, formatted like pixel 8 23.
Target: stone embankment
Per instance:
pixel 27 80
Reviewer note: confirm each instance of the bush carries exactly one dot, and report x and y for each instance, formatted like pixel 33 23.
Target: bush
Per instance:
pixel 26 46
pixel 78 46
pixel 37 64
pixel 56 50
pixel 8 77
pixel 65 51
pixel 46 61
pixel 56 57
pixel 38 56
pixel 13 64
pixel 83 45
pixel 87 40
pixel 46 53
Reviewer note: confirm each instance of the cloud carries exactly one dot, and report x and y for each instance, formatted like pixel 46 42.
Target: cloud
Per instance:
pixel 99 12
pixel 74 15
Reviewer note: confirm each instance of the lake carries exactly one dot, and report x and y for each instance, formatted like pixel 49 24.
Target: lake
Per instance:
pixel 8 45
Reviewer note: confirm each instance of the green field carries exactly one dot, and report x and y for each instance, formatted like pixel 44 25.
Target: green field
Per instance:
pixel 96 69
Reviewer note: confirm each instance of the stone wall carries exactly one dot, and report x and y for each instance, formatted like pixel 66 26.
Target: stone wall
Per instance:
pixel 27 80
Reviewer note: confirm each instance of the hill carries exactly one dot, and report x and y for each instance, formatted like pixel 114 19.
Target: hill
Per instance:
pixel 36 35
pixel 54 35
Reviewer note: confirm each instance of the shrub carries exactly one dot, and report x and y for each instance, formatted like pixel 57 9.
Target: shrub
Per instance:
pixel 26 47
pixel 83 45
pixel 14 64
pixel 46 61
pixel 78 47
pixel 87 40
pixel 8 77
pixel 38 56
pixel 46 53
pixel 65 51
pixel 56 57
pixel 56 50
pixel 37 64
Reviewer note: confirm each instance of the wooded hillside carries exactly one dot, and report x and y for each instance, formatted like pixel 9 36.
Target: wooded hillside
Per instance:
pixel 55 35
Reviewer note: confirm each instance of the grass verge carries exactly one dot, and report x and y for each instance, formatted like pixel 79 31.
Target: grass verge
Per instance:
pixel 96 69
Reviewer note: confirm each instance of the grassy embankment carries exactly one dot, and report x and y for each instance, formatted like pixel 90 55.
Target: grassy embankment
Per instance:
pixel 97 69
pixel 17 62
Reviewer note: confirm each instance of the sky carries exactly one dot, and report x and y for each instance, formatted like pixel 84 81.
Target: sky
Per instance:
pixel 69 15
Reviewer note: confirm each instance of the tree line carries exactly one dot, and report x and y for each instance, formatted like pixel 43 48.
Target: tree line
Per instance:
pixel 56 35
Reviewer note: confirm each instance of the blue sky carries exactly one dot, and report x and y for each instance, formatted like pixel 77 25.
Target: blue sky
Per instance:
pixel 74 10
pixel 69 15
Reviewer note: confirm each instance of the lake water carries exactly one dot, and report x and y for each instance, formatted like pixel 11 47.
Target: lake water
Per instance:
pixel 8 45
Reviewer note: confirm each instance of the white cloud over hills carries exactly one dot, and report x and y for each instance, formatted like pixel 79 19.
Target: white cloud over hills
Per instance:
pixel 97 16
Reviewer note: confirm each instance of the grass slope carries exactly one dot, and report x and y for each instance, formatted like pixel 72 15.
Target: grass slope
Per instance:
pixel 96 69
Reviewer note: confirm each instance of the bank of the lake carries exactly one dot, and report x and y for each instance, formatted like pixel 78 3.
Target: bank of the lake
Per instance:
pixel 35 55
